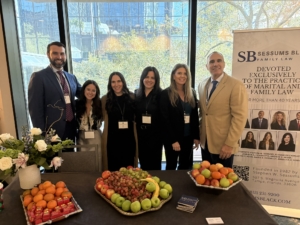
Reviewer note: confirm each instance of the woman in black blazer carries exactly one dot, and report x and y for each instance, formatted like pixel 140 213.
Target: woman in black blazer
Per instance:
pixel 278 121
pixel 180 120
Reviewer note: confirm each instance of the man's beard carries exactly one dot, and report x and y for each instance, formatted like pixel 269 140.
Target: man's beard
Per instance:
pixel 57 63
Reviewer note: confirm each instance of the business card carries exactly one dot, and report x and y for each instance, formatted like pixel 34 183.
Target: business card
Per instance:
pixel 214 220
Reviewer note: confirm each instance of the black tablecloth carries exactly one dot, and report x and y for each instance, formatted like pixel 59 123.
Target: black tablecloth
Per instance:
pixel 236 206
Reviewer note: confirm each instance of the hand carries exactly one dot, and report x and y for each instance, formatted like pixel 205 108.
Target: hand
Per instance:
pixel 196 144
pixel 226 152
pixel 176 146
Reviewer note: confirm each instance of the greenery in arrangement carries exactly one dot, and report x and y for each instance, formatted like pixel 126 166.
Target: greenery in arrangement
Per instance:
pixel 33 148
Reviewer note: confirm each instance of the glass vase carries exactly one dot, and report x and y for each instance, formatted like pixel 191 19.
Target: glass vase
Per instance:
pixel 29 176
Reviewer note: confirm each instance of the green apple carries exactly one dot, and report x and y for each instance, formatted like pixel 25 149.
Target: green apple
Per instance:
pixel 114 197
pixel 162 184
pixel 163 193
pixel 206 173
pixel 224 182
pixel 232 176
pixel 126 205
pixel 156 179
pixel 155 202
pixel 135 206
pixel 196 166
pixel 146 204
pixel 150 187
pixel 169 188
pixel 119 201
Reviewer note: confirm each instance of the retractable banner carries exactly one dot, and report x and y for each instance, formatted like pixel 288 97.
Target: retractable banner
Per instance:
pixel 268 63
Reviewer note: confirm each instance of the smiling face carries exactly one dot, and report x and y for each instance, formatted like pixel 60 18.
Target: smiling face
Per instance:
pixel 261 114
pixel 57 56
pixel 117 85
pixel 250 136
pixel 287 139
pixel 180 76
pixel 298 116
pixel 279 117
pixel 90 92
pixel 149 81
pixel 215 65
pixel 268 137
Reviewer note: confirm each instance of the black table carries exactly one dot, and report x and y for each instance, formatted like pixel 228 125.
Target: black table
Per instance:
pixel 236 206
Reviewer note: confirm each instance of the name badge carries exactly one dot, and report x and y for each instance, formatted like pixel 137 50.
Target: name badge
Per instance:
pixel 186 118
pixel 67 99
pixel 123 125
pixel 89 134
pixel 146 119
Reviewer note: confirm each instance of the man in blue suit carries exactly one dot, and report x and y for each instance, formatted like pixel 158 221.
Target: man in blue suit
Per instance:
pixel 260 122
pixel 51 95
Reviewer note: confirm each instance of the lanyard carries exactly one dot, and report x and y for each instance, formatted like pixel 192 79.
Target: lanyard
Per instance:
pixel 122 111
pixel 183 105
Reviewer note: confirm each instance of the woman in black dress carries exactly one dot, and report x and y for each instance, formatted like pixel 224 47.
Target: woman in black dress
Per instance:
pixel 118 139
pixel 180 120
pixel 249 141
pixel 147 120
pixel 287 143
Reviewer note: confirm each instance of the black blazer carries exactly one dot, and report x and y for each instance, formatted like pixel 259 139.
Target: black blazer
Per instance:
pixel 173 119
pixel 276 126
pixel 255 124
pixel 293 125
pixel 44 90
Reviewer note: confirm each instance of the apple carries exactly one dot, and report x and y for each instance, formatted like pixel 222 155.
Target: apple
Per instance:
pixel 201 169
pixel 155 202
pixel 195 172
pixel 99 186
pixel 224 182
pixel 163 193
pixel 196 166
pixel 156 179
pixel 104 189
pixel 105 174
pixel 122 169
pixel 146 204
pixel 162 184
pixel 129 167
pixel 114 197
pixel 119 201
pixel 207 182
pixel 169 188
pixel 135 206
pixel 109 193
pixel 205 164
pixel 214 183
pixel 99 179
pixel 206 173
pixel 219 165
pixel 150 187
pixel 232 176
pixel 126 205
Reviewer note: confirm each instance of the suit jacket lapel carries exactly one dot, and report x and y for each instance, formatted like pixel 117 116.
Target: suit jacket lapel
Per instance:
pixel 55 84
pixel 220 86
pixel 203 90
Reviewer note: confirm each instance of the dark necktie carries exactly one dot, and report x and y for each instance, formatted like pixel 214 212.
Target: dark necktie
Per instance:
pixel 63 82
pixel 213 88
pixel 260 123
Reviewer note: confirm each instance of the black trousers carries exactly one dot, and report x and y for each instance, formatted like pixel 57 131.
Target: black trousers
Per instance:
pixel 70 133
pixel 215 158
pixel 185 155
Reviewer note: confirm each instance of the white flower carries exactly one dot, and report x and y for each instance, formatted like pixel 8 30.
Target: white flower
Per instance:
pixel 35 131
pixel 56 162
pixel 4 137
pixel 1 185
pixel 40 145
pixel 55 138
pixel 21 160
pixel 5 163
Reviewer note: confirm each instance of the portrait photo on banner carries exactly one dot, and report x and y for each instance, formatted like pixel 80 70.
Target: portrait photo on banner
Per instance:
pixel 287 141
pixel 279 118
pixel 249 139
pixel 268 140
pixel 260 119
pixel 294 120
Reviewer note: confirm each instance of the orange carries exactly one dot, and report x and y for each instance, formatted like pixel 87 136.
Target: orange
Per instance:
pixel 60 184
pixel 213 168
pixel 58 192
pixel 46 184
pixel 38 197
pixel 230 170
pixel 31 204
pixel 43 192
pixel 41 186
pixel 34 191
pixel 50 190
pixel 27 199
pixel 200 179
pixel 41 203
pixel 216 175
pixel 48 197
pixel 26 192
pixel 230 181
pixel 66 189
pixel 223 170
pixel 66 194
pixel 51 204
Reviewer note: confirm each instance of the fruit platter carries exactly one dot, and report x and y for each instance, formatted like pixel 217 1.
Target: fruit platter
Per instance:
pixel 133 191
pixel 214 176
pixel 48 203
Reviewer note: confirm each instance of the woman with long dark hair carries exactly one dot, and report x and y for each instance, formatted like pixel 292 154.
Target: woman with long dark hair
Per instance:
pixel 148 120
pixel 89 114
pixel 249 141
pixel 267 143
pixel 118 139
pixel 180 120
pixel 287 143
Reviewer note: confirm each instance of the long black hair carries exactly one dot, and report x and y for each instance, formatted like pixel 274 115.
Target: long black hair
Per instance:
pixel 291 143
pixel 156 89
pixel 81 102
pixel 111 96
